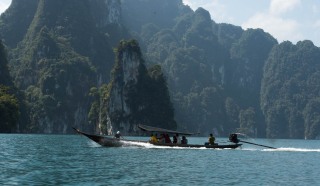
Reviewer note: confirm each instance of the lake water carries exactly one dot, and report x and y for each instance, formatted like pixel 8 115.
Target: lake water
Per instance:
pixel 74 160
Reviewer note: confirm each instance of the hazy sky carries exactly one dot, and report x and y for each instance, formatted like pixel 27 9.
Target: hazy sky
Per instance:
pixel 4 4
pixel 292 20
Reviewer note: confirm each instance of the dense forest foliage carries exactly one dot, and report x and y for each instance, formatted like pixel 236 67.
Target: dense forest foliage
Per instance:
pixel 9 104
pixel 290 91
pixel 58 59
pixel 219 77
pixel 214 70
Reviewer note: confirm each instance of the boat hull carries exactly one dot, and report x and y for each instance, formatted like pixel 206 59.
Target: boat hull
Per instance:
pixel 216 146
pixel 113 142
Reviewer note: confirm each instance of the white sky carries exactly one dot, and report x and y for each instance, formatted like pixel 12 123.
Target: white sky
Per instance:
pixel 292 20
pixel 286 20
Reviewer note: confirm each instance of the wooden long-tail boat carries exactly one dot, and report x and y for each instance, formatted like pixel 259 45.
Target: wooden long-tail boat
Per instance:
pixel 108 141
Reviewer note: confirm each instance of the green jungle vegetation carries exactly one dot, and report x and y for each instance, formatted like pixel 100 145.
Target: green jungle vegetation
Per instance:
pixel 9 106
pixel 195 74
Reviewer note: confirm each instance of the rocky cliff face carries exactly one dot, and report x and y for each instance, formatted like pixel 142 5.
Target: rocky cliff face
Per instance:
pixel 16 21
pixel 106 12
pixel 126 76
pixel 62 49
pixel 137 95
pixel 59 50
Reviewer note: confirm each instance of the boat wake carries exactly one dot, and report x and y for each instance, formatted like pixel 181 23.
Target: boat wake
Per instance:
pixel 132 144
pixel 290 149
pixel 283 149
pixel 93 144
pixel 151 146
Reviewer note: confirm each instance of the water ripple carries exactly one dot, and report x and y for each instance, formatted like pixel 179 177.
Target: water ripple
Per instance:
pixel 73 160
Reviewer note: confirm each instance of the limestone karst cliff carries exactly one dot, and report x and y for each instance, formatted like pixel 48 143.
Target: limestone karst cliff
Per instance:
pixel 136 95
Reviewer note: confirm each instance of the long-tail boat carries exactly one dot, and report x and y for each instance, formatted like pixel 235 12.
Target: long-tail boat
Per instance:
pixel 108 141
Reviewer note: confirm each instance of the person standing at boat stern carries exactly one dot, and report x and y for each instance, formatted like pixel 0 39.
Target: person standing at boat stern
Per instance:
pixel 118 135
pixel 211 139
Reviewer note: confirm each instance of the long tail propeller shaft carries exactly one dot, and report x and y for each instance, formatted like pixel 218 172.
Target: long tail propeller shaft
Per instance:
pixel 257 144
pixel 234 138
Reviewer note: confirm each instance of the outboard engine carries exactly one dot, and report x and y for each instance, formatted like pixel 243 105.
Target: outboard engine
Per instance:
pixel 233 138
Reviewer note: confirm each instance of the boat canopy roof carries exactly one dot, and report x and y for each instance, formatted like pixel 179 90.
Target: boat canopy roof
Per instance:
pixel 160 130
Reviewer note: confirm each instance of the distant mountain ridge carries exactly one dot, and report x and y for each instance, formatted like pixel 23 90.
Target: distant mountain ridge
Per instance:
pixel 221 78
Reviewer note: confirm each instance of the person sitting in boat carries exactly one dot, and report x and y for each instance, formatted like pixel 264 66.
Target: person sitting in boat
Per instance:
pixel 211 139
pixel 118 135
pixel 162 139
pixel 153 139
pixel 177 139
pixel 167 138
pixel 184 140
pixel 174 139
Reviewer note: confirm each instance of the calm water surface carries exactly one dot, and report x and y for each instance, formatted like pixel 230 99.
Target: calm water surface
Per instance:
pixel 74 160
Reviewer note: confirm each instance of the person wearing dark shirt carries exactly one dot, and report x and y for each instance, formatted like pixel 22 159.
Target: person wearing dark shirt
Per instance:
pixel 184 140
pixel 167 138
pixel 174 139
pixel 118 135
pixel 211 139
